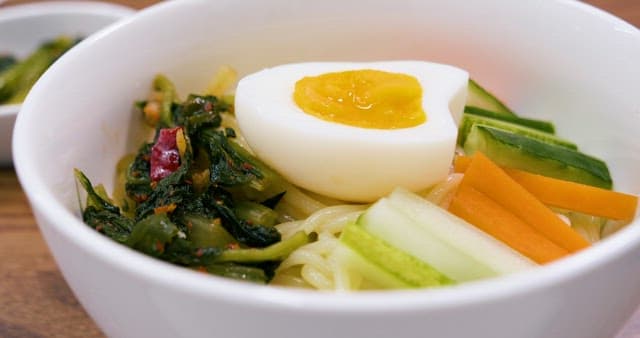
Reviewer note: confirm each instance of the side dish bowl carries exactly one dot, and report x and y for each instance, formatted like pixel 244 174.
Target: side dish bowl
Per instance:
pixel 558 59
pixel 24 27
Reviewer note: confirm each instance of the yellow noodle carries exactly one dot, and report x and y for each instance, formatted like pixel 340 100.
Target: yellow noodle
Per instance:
pixel 307 257
pixel 287 229
pixel 343 280
pixel 330 219
pixel 316 278
pixel 336 225
pixel 442 193
pixel 317 266
pixel 291 278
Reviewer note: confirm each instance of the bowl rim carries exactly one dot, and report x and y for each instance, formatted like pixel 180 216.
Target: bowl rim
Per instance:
pixel 38 9
pixel 152 271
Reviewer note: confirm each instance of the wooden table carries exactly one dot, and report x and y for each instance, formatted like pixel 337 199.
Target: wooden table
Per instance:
pixel 35 301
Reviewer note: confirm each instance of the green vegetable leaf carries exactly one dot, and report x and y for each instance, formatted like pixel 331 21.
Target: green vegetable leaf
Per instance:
pixel 138 179
pixel 152 234
pixel 18 79
pixel 253 235
pixel 101 214
pixel 199 112
pixel 228 167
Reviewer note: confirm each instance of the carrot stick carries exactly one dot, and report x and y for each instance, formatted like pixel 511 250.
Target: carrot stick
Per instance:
pixel 486 177
pixel 461 163
pixel 569 195
pixel 481 211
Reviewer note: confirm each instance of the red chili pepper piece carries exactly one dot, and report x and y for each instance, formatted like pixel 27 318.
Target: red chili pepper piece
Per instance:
pixel 165 157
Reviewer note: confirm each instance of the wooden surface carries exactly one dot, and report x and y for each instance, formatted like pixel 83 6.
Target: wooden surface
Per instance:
pixel 35 301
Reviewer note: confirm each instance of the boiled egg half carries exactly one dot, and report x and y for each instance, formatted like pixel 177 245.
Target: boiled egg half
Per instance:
pixel 354 131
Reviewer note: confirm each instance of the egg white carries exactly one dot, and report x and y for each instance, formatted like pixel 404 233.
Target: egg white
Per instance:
pixel 346 162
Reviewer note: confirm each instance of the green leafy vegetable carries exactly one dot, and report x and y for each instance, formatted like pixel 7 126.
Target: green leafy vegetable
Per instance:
pixel 6 61
pixel 277 251
pixel 152 234
pixel 213 212
pixel 102 215
pixel 16 80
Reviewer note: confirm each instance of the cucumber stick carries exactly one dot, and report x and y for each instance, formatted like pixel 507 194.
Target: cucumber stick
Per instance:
pixel 481 98
pixel 385 221
pixel 461 235
pixel 469 120
pixel 525 153
pixel 457 255
pixel 541 125
pixel 383 264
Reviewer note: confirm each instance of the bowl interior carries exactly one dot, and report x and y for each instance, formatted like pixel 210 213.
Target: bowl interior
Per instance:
pixel 577 67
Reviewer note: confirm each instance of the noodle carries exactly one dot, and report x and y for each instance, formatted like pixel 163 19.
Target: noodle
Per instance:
pixel 315 263
pixel 331 218
pixel 442 193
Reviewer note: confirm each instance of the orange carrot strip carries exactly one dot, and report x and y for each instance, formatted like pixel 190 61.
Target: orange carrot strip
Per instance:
pixel 569 195
pixel 578 197
pixel 486 177
pixel 481 211
pixel 461 163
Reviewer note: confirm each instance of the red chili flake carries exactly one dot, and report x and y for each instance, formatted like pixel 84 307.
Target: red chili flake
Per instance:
pixel 99 228
pixel 201 269
pixel 247 166
pixel 159 247
pixel 199 252
pixel 165 156
pixel 233 246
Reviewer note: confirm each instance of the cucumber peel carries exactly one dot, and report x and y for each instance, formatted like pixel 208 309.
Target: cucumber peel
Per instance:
pixel 469 120
pixel 479 97
pixel 385 265
pixel 384 220
pixel 464 237
pixel 541 125
pixel 525 153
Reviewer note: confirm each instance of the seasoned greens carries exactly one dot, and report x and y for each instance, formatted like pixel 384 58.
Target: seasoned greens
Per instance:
pixel 194 197
pixel 17 77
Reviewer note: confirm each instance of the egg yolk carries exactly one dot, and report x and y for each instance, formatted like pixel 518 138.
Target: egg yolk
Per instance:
pixel 362 98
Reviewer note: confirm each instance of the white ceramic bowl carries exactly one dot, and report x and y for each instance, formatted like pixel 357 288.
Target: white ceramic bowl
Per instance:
pixel 23 28
pixel 555 59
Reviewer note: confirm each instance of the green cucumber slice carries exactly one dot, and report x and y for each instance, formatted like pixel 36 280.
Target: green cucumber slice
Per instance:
pixel 468 239
pixel 481 98
pixel 384 220
pixel 469 120
pixel 541 125
pixel 525 153
pixel 384 264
